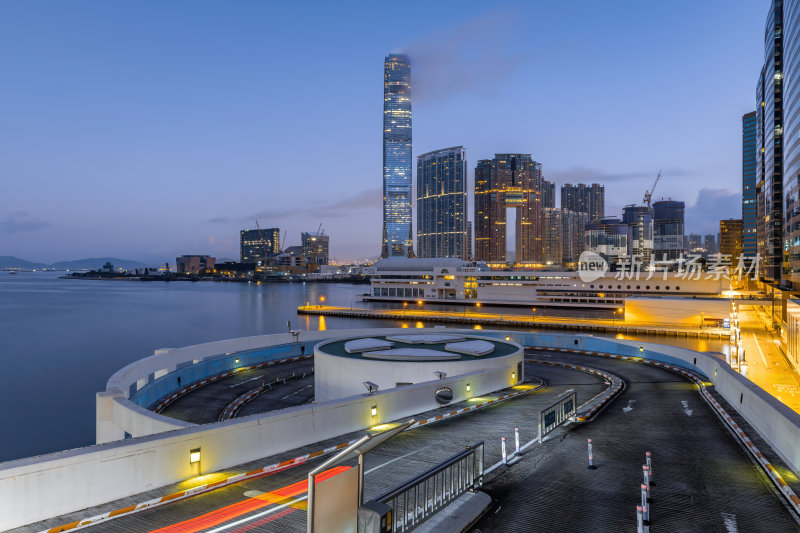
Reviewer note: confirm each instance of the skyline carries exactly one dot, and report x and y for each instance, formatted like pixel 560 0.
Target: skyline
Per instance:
pixel 172 144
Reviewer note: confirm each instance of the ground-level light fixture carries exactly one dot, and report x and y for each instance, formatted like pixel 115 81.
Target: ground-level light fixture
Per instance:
pixel 374 410
pixel 194 456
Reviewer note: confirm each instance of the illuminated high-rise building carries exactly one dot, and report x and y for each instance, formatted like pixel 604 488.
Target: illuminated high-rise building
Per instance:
pixel 442 204
pixel 397 157
pixel 255 245
pixel 508 181
pixel 589 199
pixel 749 184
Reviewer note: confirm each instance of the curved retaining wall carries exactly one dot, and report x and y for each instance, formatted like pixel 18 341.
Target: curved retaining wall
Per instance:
pixel 41 487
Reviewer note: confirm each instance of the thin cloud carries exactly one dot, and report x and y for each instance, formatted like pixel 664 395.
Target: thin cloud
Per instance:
pixel 472 56
pixel 369 199
pixel 23 221
pixel 581 174
pixel 711 206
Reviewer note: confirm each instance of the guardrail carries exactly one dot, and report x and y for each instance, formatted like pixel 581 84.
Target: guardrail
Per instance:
pixel 422 496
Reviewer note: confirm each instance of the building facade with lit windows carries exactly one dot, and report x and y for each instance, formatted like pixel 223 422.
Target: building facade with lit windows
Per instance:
pixel 508 181
pixel 749 247
pixel 442 204
pixel 609 239
pixel 730 239
pixel 573 241
pixel 769 149
pixel 397 239
pixel 255 246
pixel 590 199
pixel 552 234
pixel 668 227
pixel 548 194
pixel 315 248
pixel 639 219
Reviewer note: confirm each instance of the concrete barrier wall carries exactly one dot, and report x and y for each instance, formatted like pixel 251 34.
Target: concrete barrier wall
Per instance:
pixel 42 487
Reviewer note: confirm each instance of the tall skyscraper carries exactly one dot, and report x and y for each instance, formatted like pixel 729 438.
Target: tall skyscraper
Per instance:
pixel 585 199
pixel 769 148
pixel 442 203
pixel 552 233
pixel 508 180
pixel 608 238
pixel 791 146
pixel 668 235
pixel 256 245
pixel 710 243
pixel 749 248
pixel 548 194
pixel 573 229
pixel 397 157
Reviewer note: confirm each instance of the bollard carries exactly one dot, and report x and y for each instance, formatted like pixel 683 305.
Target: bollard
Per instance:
pixel 649 463
pixel 639 520
pixel 591 457
pixel 516 441
pixel 646 473
pixel 645 506
pixel 505 459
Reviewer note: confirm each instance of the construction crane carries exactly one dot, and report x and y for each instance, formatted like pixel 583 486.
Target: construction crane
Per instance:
pixel 649 194
pixel 263 243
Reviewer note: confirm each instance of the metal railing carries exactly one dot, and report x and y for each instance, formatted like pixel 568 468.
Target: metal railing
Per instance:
pixel 422 496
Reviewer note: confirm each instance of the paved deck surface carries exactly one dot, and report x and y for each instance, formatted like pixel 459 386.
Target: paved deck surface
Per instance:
pixel 204 405
pixel 704 479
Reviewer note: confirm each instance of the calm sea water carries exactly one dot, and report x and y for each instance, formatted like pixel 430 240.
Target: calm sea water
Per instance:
pixel 60 340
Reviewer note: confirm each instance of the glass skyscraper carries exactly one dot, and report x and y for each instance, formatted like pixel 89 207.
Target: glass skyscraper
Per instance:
pixel 397 157
pixel 668 226
pixel 791 139
pixel 442 204
pixel 749 184
pixel 769 149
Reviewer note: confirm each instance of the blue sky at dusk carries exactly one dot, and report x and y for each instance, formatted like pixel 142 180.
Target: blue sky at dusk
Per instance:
pixel 149 129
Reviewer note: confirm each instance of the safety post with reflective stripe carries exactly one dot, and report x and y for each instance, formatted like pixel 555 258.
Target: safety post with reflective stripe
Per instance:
pixel 516 441
pixel 503 443
pixel 591 457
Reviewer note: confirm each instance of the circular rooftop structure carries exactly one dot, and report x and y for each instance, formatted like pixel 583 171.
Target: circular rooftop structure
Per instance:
pixel 344 366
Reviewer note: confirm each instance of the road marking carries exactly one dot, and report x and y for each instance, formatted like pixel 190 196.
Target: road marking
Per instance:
pixel 259 515
pixel 393 460
pixel 730 522
pixel 629 408
pixel 759 349
pixel 243 382
pixel 297 391
pixel 686 408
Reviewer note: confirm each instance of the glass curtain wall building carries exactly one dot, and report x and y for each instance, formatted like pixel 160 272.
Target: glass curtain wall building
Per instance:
pixel 749 183
pixel 255 246
pixel 668 226
pixel 442 204
pixel 397 157
pixel 769 149
pixel 791 139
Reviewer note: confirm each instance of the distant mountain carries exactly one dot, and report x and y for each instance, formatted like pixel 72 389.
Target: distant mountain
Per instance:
pixel 96 263
pixel 9 261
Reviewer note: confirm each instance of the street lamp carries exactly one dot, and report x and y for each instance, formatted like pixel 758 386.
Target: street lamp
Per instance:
pixel 533 315
pixel 321 300
pixel 405 304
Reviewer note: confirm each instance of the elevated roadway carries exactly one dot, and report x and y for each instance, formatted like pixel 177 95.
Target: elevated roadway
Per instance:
pixel 704 480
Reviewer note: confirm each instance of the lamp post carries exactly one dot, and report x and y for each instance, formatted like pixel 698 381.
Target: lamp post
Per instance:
pixel 533 315
pixel 405 304
pixel 321 300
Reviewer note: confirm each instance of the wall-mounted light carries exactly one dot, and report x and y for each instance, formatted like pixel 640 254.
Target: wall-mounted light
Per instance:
pixel 236 361
pixel 194 456
pixel 514 376
pixel 374 410
pixel 508 338
pixel 468 387
pixel 641 349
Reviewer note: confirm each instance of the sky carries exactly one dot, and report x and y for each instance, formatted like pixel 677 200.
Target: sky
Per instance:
pixel 148 129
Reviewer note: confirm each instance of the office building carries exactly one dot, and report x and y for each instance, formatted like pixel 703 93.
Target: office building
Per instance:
pixel 255 246
pixel 552 233
pixel 548 194
pixel 195 264
pixel 695 243
pixel 442 204
pixel 508 181
pixel 397 157
pixel 710 243
pixel 749 247
pixel 585 199
pixel 639 219
pixel 769 148
pixel 573 241
pixel 609 239
pixel 315 248
pixel 730 240
pixel 791 146
pixel 470 249
pixel 668 243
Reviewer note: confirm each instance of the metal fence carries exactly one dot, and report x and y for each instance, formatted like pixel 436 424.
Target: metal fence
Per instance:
pixel 419 498
pixel 557 413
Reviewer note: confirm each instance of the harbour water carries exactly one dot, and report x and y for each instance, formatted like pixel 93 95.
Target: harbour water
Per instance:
pixel 60 340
